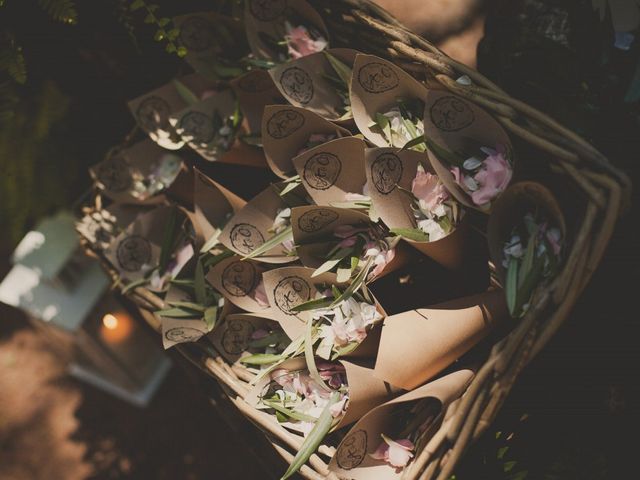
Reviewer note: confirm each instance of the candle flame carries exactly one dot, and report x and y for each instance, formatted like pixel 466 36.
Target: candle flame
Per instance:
pixel 110 321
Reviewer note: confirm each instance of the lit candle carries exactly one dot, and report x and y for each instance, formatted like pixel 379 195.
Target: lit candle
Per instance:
pixel 116 327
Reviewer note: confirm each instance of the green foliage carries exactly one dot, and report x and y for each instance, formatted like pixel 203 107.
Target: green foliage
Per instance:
pixel 11 58
pixel 60 10
pixel 165 32
pixel 124 16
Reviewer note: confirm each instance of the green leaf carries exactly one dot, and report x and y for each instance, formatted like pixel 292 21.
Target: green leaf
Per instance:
pixel 511 285
pixel 182 52
pixel 527 260
pixel 288 412
pixel 137 5
pixel 271 243
pixel 315 437
pixel 188 305
pixel 384 125
pixel 133 285
pixel 187 95
pixel 414 234
pixel 212 242
pixel 412 143
pixel 444 154
pixel 342 70
pixel 163 22
pixel 292 184
pixel 200 286
pixel 215 259
pixel 355 284
pixel 529 284
pixel 309 356
pixel 210 317
pixel 316 304
pixel 260 359
pixel 271 339
pixel 179 313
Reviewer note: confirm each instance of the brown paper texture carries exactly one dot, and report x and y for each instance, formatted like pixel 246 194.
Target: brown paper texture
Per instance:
pixel 231 338
pixel 376 85
pixel 249 228
pixel 418 344
pixel 267 18
pixel 352 459
pixel 448 121
pixel 365 390
pixel 286 131
pixel 179 330
pixel 237 280
pixel 213 205
pixel 508 211
pixel 303 83
pixel 390 168
pixel 153 110
pixel 332 170
pixel 199 33
pixel 137 249
pixel 126 176
pixel 255 90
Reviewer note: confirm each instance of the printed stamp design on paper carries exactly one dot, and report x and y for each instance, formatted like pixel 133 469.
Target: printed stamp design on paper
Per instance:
pixel 322 170
pixel 290 292
pixel 183 334
pixel 451 114
pixel 267 10
pixel 386 172
pixel 153 114
pixel 133 253
pixel 114 174
pixel 196 127
pixel 246 238
pixel 353 450
pixel 236 336
pixel 197 34
pixel 377 77
pixel 284 123
pixel 317 219
pixel 297 85
pixel 239 278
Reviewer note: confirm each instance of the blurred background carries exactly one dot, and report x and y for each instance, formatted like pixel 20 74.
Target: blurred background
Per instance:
pixel 67 69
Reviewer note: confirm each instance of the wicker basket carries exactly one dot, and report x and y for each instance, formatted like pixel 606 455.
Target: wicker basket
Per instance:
pixel 603 190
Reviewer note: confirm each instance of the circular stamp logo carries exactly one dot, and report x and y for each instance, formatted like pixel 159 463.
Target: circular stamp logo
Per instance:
pixel 133 253
pixel 315 220
pixel 267 10
pixel 255 82
pixel 377 77
pixel 153 114
pixel 284 123
pixel 245 237
pixel 183 334
pixel 297 85
pixel 290 292
pixel 322 170
pixel 239 278
pixel 236 336
pixel 114 174
pixel 196 34
pixel 353 450
pixel 386 171
pixel 451 114
pixel 197 127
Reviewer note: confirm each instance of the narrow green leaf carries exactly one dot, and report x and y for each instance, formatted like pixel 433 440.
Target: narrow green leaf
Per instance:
pixel 210 317
pixel 315 437
pixel 444 154
pixel 527 261
pixel 212 242
pixel 313 304
pixel 133 285
pixel 288 412
pixel 271 243
pixel 179 313
pixel 414 234
pixel 215 259
pixel 412 143
pixel 260 359
pixel 185 93
pixel 200 286
pixel 188 305
pixel 511 285
pixel 355 284
pixel 342 70
pixel 309 356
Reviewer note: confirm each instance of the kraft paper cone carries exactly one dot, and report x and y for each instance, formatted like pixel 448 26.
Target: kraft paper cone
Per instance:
pixel 138 173
pixel 518 200
pixel 449 121
pixel 352 458
pixel 102 227
pixel 249 228
pixel 266 19
pixel 255 90
pixel 213 205
pixel 303 83
pixel 232 337
pixel 332 170
pixel 288 287
pixel 376 86
pixel 237 280
pixel 365 390
pixel 203 36
pixel 136 251
pixel 390 168
pixel 153 110
pixel 418 344
pixel 313 229
pixel 286 131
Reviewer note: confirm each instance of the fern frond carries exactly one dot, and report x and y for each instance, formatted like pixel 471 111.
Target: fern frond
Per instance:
pixel 60 10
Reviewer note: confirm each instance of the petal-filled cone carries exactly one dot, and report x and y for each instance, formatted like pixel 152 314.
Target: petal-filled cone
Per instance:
pixel 418 344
